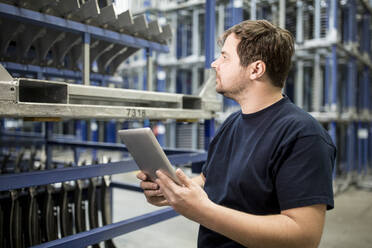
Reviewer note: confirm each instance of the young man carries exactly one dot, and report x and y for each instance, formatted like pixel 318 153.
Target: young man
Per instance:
pixel 267 181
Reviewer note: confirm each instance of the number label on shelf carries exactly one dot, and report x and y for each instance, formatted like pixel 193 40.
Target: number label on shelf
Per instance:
pixel 136 113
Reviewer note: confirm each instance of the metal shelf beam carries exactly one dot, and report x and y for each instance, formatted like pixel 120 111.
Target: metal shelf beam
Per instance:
pixel 111 231
pixel 37 178
pixel 23 97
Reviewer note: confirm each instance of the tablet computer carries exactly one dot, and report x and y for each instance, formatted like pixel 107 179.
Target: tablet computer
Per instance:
pixel 147 152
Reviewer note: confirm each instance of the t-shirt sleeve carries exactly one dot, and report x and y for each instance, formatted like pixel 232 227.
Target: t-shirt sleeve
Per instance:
pixel 304 177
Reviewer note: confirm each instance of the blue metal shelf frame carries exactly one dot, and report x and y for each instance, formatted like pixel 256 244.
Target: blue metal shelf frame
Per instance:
pixel 111 231
pixel 37 178
pixel 22 14
pixel 9 137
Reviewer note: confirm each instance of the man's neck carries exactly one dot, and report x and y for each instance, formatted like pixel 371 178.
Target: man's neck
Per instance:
pixel 259 97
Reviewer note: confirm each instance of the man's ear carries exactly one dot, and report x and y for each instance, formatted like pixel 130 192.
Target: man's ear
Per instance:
pixel 257 69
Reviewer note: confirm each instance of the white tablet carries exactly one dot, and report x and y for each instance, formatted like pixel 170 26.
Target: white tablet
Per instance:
pixel 147 152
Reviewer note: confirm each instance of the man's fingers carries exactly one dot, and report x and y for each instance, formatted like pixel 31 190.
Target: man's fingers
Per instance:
pixel 183 178
pixel 152 193
pixel 165 188
pixel 166 180
pixel 157 201
pixel 149 185
pixel 160 202
pixel 141 176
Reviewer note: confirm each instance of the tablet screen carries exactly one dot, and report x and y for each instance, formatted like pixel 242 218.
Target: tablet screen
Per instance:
pixel 147 152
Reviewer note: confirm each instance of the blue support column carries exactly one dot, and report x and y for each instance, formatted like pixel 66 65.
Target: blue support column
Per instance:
pixel 352 21
pixel 179 40
pixel 327 77
pixel 366 49
pixel 366 32
pixel 345 26
pixel 332 132
pixel 125 125
pixel 334 79
pixel 236 12
pixel 334 72
pixel 350 144
pixel 210 23
pixel 144 80
pixel 83 128
pixel 78 130
pixel 110 131
pixel 351 85
pixel 48 148
pixel 148 54
pixel 78 136
pixel 330 94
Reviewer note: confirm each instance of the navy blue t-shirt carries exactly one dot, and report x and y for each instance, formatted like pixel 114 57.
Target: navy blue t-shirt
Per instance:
pixel 275 159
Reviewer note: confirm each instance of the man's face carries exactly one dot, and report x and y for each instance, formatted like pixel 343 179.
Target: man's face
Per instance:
pixel 231 77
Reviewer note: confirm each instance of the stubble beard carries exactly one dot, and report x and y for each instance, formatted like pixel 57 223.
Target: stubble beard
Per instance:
pixel 232 94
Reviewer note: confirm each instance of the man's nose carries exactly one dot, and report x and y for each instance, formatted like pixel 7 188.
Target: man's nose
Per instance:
pixel 214 64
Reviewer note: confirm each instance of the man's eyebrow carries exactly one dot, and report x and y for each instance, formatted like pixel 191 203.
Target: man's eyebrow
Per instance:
pixel 224 53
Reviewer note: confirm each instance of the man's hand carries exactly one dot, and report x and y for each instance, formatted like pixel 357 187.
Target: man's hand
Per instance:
pixel 151 190
pixel 188 199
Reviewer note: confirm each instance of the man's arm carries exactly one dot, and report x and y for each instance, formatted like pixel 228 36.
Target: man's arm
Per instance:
pixel 297 227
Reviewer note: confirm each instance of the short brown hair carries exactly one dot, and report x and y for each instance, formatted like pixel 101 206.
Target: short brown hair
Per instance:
pixel 261 40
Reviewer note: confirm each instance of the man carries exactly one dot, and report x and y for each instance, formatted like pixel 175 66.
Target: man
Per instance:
pixel 267 181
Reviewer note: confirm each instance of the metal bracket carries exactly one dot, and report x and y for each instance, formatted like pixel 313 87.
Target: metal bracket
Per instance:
pixel 100 49
pixel 8 32
pixel 44 45
pixel 120 59
pixel 25 41
pixel 62 48
pixel 106 58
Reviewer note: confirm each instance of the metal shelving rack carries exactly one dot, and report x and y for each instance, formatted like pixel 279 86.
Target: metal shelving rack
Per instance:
pixel 340 53
pixel 86 43
pixel 331 76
